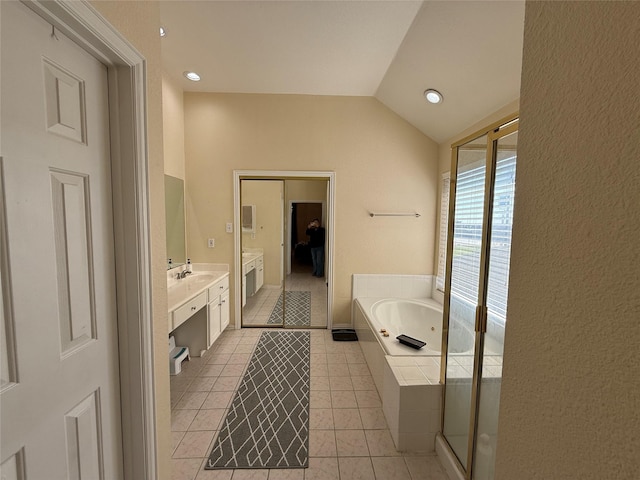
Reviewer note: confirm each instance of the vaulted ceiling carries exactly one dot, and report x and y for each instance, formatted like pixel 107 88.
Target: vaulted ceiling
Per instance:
pixel 470 51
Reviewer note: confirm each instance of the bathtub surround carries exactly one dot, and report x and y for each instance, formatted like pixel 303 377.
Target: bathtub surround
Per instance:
pixel 268 422
pixel 408 380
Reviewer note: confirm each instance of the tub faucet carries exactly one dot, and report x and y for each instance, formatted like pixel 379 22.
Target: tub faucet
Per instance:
pixel 183 274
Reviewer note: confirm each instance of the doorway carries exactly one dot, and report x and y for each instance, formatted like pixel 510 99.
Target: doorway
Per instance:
pixel 273 266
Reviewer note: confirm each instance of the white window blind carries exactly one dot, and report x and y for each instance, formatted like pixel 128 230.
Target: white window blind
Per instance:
pixel 468 237
pixel 444 225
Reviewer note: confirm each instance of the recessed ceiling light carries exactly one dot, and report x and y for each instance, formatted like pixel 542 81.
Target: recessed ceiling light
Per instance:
pixel 433 96
pixel 193 76
pixel 163 32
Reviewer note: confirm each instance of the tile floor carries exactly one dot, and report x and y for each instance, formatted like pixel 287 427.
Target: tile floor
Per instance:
pixel 349 438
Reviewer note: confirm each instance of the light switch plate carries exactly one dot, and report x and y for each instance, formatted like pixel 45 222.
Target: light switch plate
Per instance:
pixel 229 228
pixel 211 243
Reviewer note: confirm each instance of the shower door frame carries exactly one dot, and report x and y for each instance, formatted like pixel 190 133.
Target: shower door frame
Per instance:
pixel 330 177
pixel 495 131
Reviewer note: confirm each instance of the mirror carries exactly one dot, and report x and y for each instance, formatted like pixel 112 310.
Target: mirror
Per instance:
pixel 175 216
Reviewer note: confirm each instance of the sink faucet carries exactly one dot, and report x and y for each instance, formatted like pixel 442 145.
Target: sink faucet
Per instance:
pixel 183 274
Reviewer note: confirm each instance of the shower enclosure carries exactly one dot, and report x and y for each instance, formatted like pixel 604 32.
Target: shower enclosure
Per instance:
pixel 482 185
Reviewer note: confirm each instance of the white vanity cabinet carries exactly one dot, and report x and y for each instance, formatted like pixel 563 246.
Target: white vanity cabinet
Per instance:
pixel 252 274
pixel 190 323
pixel 259 272
pixel 217 310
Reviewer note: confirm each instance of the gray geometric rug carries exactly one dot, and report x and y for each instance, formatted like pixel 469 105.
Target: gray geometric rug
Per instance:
pixel 298 310
pixel 267 425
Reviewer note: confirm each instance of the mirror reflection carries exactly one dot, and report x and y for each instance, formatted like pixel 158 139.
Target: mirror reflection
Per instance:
pixel 175 218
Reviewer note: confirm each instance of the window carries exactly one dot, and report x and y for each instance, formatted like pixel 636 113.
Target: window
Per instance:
pixel 444 225
pixel 468 234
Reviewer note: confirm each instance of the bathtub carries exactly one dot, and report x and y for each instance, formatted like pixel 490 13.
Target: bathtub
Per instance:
pixel 407 379
pixel 417 318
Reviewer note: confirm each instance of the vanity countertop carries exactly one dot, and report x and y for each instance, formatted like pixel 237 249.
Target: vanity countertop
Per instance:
pixel 249 257
pixel 182 290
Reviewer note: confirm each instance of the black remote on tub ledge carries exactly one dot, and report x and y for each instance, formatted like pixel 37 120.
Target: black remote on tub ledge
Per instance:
pixel 411 342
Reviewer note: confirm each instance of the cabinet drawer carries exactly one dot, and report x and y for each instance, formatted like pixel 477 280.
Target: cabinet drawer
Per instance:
pixel 217 288
pixel 259 261
pixel 180 315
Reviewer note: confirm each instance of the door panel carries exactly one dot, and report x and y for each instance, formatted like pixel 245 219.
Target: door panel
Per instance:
pixel 497 288
pixel 465 282
pixel 63 411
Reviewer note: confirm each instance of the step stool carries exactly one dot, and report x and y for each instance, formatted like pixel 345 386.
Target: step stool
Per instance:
pixel 176 356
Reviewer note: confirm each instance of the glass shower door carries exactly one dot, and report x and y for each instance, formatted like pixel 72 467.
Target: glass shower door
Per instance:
pixel 482 198
pixel 496 301
pixel 468 186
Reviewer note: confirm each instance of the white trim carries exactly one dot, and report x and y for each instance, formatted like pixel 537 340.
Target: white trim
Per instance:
pixel 128 114
pixel 330 222
pixel 287 242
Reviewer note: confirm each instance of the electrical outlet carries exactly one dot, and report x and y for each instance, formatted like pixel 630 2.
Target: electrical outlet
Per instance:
pixel 212 243
pixel 229 228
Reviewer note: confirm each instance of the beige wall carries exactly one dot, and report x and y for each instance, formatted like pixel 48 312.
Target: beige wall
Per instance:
pixel 173 126
pixel 267 196
pixel 381 162
pixel 570 403
pixel 138 22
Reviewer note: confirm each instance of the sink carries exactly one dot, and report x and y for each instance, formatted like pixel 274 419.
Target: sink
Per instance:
pixel 199 278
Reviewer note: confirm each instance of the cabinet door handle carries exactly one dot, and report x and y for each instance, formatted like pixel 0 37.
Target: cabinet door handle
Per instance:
pixel 221 287
pixel 223 301
pixel 194 308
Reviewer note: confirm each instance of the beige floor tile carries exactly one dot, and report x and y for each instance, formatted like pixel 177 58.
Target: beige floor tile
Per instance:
pixel 176 438
pixel 425 468
pixel 355 468
pixel 201 384
pixel 368 399
pixel 381 444
pixel 239 358
pixel 390 468
pixel 317 358
pixel 218 400
pixel 208 419
pixel 336 358
pixel 343 399
pixel 212 369
pixel 322 469
pixel 351 443
pixel 340 383
pixel 250 474
pixel 319 383
pixel 225 384
pixel 322 443
pixel 181 419
pixel 319 399
pixel 218 358
pixel 373 418
pixel 233 370
pixel 363 382
pixel 358 369
pixel 339 370
pixel 347 419
pixel 319 370
pixel 213 474
pixel 184 468
pixel 191 400
pixel 286 474
pixel 355 357
pixel 321 419
pixel 194 445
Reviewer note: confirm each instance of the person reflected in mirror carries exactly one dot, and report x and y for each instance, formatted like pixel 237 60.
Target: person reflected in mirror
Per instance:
pixel 316 235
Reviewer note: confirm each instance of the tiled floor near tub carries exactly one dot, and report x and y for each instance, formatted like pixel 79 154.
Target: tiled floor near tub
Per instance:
pixel 349 438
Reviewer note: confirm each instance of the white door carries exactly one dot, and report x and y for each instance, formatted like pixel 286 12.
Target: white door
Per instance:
pixel 60 411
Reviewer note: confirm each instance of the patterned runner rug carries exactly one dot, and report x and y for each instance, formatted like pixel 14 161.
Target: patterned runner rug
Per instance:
pixel 298 310
pixel 267 425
